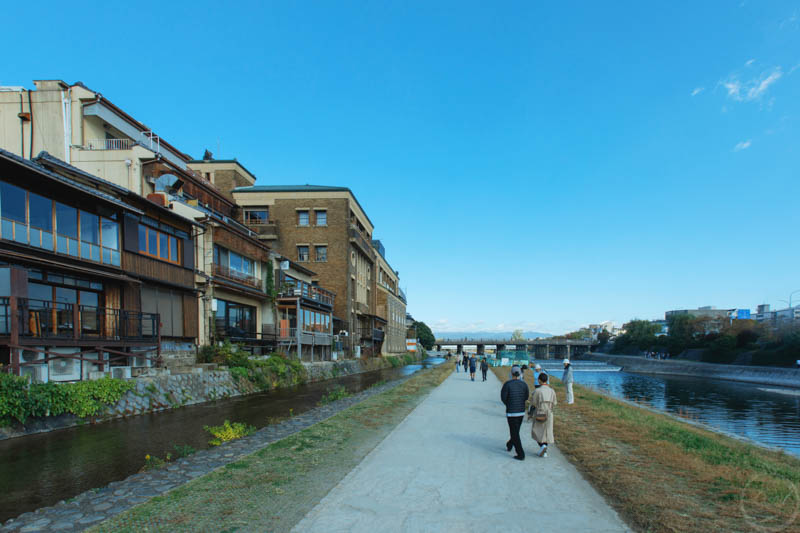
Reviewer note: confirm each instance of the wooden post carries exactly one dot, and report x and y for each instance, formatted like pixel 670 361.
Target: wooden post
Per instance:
pixel 76 327
pixel 14 340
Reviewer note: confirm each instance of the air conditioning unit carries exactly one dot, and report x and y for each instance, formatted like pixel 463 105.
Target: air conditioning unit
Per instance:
pixel 31 355
pixel 139 362
pixel 121 372
pixel 93 368
pixel 62 369
pixel 37 373
pixel 298 292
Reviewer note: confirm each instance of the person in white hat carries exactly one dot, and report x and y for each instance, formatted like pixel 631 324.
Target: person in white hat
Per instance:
pixel 567 380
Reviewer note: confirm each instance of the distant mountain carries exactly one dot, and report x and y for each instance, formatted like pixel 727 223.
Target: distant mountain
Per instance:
pixel 492 335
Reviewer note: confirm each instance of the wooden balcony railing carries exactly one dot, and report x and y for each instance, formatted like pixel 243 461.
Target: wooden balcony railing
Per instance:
pixel 240 277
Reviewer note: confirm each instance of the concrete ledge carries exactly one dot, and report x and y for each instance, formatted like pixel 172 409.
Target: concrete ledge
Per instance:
pixel 764 375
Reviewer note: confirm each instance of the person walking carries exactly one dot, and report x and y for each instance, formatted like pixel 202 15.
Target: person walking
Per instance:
pixel 473 365
pixel 465 361
pixel 544 400
pixel 484 368
pixel 567 379
pixel 513 395
pixel 458 362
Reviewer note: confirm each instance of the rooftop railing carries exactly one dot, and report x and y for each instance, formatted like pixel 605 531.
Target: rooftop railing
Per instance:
pixel 110 144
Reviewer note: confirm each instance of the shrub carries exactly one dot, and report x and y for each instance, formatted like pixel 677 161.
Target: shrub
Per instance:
pixel 20 399
pixel 337 393
pixel 408 358
pixel 394 361
pixel 228 432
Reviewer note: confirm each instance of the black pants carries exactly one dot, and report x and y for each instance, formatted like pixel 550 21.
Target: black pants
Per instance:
pixel 514 423
pixel 484 374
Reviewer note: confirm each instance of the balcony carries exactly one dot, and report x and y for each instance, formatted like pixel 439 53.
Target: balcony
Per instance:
pixel 235 275
pixel 266 230
pixel 361 241
pixel 313 338
pixel 39 320
pixel 110 144
pixel 294 288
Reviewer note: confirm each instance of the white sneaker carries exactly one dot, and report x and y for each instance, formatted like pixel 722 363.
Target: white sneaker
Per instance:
pixel 544 455
pixel 543 451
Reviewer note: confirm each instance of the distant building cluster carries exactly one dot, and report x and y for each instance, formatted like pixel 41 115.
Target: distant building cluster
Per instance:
pixel 119 250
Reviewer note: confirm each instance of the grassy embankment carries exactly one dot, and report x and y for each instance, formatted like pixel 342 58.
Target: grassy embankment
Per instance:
pixel 662 474
pixel 274 488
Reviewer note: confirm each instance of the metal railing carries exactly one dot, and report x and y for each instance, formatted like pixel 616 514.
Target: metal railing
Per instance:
pixel 241 277
pixel 55 320
pixel 110 144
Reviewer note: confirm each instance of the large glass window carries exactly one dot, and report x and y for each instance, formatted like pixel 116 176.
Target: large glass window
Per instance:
pixel 235 320
pixel 322 217
pixel 41 221
pixel 12 209
pixel 158 244
pixel 90 236
pixel 110 234
pixel 256 216
pixel 66 229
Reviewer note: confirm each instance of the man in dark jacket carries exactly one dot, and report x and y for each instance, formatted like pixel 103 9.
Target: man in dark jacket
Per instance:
pixel 514 394
pixel 484 368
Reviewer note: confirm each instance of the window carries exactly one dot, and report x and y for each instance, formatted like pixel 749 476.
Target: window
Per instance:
pixel 41 221
pixel 321 253
pixel 12 209
pixel 322 217
pixel 235 320
pixel 302 217
pixel 90 236
pixel 66 229
pixel 256 216
pixel 302 253
pixel 109 231
pixel 159 245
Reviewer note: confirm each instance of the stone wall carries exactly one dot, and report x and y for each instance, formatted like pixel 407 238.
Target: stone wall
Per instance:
pixel 765 375
pixel 160 392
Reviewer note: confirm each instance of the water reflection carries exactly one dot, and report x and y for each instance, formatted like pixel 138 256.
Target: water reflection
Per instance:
pixel 770 415
pixel 39 470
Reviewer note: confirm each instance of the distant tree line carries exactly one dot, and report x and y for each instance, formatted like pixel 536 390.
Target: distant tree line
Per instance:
pixel 718 340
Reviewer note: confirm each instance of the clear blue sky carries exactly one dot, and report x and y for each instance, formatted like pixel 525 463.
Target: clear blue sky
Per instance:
pixel 528 164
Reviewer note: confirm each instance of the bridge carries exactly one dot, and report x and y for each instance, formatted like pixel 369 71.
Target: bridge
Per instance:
pixel 539 348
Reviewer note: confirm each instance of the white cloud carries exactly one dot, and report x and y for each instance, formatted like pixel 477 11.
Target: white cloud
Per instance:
pixel 749 62
pixel 744 145
pixel 752 89
pixel 698 90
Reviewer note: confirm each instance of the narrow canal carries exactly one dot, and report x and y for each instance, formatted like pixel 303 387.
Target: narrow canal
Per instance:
pixel 40 470
pixel 766 414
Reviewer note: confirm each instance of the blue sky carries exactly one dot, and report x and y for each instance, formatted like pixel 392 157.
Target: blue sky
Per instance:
pixel 527 165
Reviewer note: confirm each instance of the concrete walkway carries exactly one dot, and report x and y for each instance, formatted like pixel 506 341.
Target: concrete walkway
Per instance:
pixel 445 468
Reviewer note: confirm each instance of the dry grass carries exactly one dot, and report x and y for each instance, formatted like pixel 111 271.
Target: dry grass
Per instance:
pixel 272 489
pixel 661 474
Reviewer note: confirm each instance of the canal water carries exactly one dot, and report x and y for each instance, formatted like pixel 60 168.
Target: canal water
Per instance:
pixel 766 414
pixel 40 470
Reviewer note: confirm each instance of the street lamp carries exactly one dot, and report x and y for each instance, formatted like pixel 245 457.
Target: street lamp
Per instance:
pixel 790 298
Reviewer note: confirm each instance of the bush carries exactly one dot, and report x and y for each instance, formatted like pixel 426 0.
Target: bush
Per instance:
pixel 337 393
pixel 20 399
pixel 228 432
pixel 408 358
pixel 394 361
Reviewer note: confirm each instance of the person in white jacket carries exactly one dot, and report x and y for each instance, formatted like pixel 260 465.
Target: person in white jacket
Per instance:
pixel 567 379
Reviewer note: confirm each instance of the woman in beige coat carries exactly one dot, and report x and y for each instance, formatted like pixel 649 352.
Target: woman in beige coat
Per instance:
pixel 544 400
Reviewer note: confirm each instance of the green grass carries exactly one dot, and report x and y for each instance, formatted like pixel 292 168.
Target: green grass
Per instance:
pixel 275 487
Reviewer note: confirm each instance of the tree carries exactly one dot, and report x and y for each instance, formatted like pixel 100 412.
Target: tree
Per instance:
pixel 603 336
pixel 581 334
pixel 425 335
pixel 517 335
pixel 639 335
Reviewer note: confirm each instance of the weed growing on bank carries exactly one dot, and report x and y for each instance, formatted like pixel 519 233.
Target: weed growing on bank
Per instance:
pixel 337 393
pixel 229 431
pixel 665 475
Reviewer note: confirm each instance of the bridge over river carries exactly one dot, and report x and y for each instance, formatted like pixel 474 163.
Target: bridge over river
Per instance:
pixel 539 348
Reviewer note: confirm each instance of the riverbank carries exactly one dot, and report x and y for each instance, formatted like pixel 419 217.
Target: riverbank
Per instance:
pixel 763 375
pixel 161 392
pixel 662 474
pixel 96 505
pixel 273 488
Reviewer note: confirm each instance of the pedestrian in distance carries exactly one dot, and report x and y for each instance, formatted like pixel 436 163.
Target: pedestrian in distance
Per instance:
pixel 544 400
pixel 567 379
pixel 473 365
pixel 513 395
pixel 458 362
pixel 484 368
pixel 465 361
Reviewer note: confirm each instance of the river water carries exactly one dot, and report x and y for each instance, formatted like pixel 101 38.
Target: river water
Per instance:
pixel 39 470
pixel 766 414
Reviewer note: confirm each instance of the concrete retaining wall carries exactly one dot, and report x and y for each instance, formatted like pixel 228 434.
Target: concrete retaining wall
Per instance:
pixel 765 375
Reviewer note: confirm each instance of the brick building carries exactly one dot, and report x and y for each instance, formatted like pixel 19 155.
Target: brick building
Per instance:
pixel 327 230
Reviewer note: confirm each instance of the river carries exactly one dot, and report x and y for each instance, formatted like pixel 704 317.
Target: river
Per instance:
pixel 765 414
pixel 39 470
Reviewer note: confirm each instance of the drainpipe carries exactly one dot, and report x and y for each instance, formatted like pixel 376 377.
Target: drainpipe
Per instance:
pixel 299 328
pixel 66 113
pixel 30 112
pixel 21 127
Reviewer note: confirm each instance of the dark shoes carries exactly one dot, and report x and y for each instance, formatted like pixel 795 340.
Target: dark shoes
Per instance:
pixel 508 447
pixel 519 457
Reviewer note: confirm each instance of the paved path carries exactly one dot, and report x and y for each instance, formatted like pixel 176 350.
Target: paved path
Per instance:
pixel 449 451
